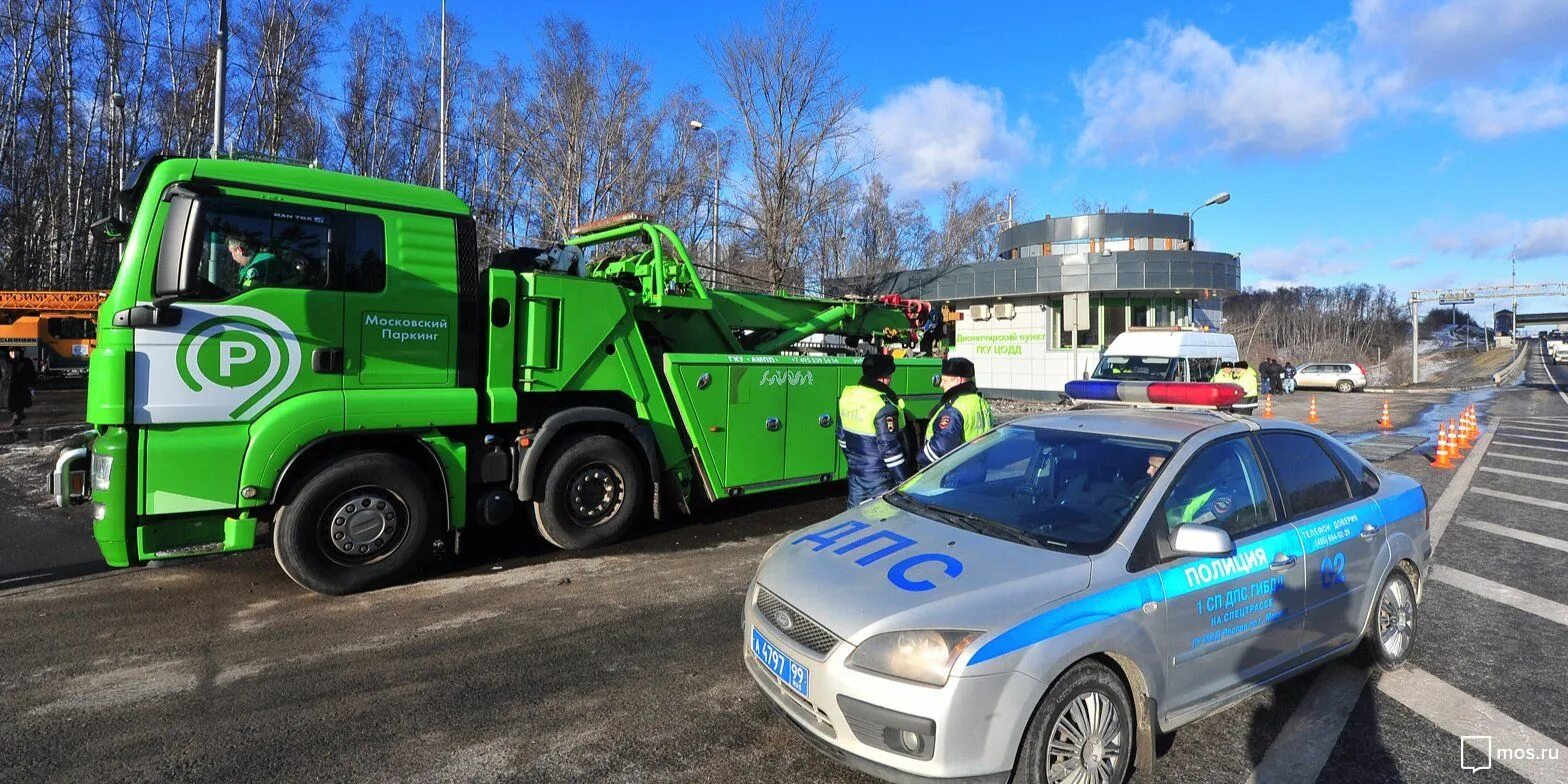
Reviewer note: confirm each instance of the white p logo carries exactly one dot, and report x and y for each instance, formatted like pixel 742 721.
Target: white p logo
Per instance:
pixel 233 353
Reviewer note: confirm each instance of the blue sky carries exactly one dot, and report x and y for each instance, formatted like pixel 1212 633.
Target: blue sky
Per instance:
pixel 1386 141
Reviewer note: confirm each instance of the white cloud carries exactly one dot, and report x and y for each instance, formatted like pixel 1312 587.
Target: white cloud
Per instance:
pixel 1494 236
pixel 1406 262
pixel 1178 92
pixel 1463 39
pixel 1490 114
pixel 931 134
pixel 1309 262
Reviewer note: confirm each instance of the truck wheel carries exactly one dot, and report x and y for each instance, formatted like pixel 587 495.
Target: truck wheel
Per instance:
pixel 1082 731
pixel 593 491
pixel 359 524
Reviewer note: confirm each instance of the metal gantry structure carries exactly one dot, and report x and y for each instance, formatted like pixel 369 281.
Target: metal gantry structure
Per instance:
pixel 1459 296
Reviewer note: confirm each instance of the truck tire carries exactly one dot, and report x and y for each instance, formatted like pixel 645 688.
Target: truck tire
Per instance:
pixel 1082 731
pixel 594 490
pixel 361 523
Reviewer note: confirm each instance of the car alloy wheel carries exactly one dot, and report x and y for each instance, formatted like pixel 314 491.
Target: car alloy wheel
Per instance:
pixel 1086 742
pixel 1396 619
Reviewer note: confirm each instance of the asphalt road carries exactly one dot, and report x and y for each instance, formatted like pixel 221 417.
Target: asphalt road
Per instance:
pixel 623 665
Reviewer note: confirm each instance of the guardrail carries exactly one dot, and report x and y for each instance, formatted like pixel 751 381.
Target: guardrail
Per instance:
pixel 1515 367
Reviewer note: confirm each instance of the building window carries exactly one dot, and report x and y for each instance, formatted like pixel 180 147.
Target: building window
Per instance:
pixel 1140 312
pixel 1115 317
pixel 1087 338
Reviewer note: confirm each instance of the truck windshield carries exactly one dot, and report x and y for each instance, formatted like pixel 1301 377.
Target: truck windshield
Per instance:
pixel 1136 368
pixel 1059 489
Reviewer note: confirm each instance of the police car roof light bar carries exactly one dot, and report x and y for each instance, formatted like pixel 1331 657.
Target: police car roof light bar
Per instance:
pixel 1155 393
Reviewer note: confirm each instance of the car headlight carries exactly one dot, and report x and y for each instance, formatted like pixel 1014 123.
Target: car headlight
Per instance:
pixel 102 464
pixel 923 656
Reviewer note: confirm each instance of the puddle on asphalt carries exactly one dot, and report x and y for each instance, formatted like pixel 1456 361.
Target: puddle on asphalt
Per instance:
pixel 1432 416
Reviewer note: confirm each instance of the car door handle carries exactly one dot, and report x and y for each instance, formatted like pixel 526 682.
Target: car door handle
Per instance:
pixel 1369 531
pixel 1282 562
pixel 327 360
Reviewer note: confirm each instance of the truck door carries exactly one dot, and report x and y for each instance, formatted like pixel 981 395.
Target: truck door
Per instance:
pixel 243 345
pixel 400 318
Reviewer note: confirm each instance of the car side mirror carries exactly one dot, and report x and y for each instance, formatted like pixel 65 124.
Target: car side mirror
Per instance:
pixel 1199 539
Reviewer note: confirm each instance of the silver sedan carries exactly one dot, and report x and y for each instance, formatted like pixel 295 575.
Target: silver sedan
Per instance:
pixel 1056 593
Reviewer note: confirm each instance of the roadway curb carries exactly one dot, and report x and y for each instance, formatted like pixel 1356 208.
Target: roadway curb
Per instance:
pixel 41 433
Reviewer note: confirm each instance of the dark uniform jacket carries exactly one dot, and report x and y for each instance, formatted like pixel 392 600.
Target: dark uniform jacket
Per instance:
pixel 962 415
pixel 871 433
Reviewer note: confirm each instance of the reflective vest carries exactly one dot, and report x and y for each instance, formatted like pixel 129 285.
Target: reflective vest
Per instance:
pixel 871 433
pixel 962 419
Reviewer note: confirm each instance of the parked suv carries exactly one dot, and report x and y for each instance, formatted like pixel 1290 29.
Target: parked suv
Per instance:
pixel 1346 377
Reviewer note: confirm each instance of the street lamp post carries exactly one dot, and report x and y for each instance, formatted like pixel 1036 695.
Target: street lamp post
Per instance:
pixel 713 241
pixel 1192 230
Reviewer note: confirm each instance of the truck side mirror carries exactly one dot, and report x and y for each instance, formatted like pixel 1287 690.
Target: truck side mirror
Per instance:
pixel 178 273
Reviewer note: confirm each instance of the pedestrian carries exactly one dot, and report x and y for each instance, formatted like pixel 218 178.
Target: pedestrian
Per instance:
pixel 871 424
pixel 1264 377
pixel 1276 377
pixel 20 394
pixel 1290 378
pixel 961 415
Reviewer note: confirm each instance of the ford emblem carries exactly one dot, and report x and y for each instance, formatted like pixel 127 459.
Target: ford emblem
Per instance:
pixel 783 620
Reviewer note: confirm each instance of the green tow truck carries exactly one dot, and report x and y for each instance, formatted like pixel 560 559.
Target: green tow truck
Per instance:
pixel 326 355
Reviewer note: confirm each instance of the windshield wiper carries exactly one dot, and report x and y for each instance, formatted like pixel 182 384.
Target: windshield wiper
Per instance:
pixel 982 525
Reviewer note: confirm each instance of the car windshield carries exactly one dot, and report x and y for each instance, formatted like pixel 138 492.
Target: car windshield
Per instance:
pixel 1061 489
pixel 1136 368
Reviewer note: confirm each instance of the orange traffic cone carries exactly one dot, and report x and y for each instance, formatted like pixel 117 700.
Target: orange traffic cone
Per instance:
pixel 1462 441
pixel 1442 460
pixel 1312 411
pixel 1386 423
pixel 1268 406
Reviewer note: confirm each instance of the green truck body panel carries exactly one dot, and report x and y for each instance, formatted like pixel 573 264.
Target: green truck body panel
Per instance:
pixel 384 339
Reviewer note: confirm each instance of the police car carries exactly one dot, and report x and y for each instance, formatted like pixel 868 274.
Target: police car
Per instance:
pixel 1041 603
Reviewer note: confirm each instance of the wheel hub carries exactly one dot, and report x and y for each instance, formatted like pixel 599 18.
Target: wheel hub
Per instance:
pixel 1085 744
pixel 364 522
pixel 1396 619
pixel 596 493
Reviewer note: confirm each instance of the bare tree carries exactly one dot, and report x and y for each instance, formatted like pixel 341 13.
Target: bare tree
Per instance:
pixel 797 111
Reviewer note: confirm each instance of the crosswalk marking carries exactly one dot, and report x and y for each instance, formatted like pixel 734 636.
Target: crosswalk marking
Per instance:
pixel 1502 594
pixel 1523 499
pixel 1303 746
pixel 1525 475
pixel 1465 716
pixel 1563 440
pixel 1531 446
pixel 1541 429
pixel 1514 533
pixel 1512 456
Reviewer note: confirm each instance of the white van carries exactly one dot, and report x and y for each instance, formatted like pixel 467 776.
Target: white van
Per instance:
pixel 1165 354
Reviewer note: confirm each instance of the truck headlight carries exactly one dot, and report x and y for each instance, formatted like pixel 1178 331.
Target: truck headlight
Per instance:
pixel 102 465
pixel 923 656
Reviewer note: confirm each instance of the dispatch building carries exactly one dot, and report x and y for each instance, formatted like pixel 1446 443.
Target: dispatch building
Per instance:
pixel 1109 272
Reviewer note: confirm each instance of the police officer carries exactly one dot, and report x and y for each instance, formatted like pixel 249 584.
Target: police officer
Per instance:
pixel 962 414
pixel 871 431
